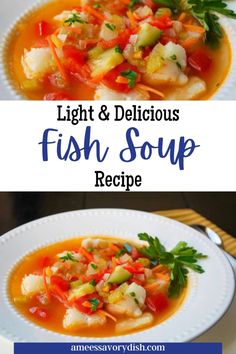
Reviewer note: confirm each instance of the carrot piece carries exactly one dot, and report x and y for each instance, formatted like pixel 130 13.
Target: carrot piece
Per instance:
pixel 97 78
pixel 107 314
pixel 114 247
pixel 131 17
pixel 57 60
pixel 86 254
pixel 194 28
pixel 189 42
pixel 93 12
pixel 160 268
pixel 87 304
pixel 162 276
pixel 46 285
pixel 182 16
pixel 150 89
pixel 122 80
pixel 151 287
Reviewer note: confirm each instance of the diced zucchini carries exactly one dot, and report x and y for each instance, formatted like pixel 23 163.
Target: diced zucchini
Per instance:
pixel 105 62
pixel 75 284
pixel 95 52
pixel 148 35
pixel 82 290
pixel 156 59
pixel 119 276
pixel 163 11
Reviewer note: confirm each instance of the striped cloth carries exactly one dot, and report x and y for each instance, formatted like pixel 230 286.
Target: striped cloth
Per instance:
pixel 189 216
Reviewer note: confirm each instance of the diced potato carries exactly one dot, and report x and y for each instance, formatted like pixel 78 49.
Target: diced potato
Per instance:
pixel 74 319
pixel 132 324
pixel 117 26
pixel 137 292
pixel 127 307
pixel 32 284
pixel 192 90
pixel 105 93
pixel 37 62
pixel 105 62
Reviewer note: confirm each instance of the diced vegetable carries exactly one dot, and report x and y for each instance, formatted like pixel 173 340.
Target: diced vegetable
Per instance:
pixel 147 35
pixel 157 302
pixel 95 52
pixel 117 294
pixel 163 11
pixel 119 276
pixel 82 290
pixel 75 284
pixel 105 62
pixel 42 28
pixel 137 293
pixel 199 60
pixel 60 282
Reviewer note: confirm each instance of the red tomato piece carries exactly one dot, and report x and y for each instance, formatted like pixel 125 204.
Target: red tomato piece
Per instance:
pixel 199 60
pixel 57 96
pixel 44 262
pixel 135 253
pixel 69 51
pixel 166 39
pixel 136 268
pixel 38 312
pixel 43 28
pixel 121 40
pixel 61 283
pixel 89 311
pixel 163 22
pixel 110 78
pixel 157 302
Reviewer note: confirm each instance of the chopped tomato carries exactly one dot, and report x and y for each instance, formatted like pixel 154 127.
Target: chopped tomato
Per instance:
pixel 199 60
pixel 79 303
pixel 121 40
pixel 163 22
pixel 157 302
pixel 44 262
pixel 135 253
pixel 60 282
pixel 70 51
pixel 42 29
pixel 38 312
pixel 57 96
pixel 151 4
pixel 110 78
pixel 166 39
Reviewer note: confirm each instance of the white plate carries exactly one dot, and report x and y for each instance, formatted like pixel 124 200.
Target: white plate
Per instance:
pixel 11 14
pixel 208 298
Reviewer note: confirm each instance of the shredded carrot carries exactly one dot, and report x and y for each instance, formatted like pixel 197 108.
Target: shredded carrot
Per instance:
pixel 107 314
pixel 193 28
pixel 114 247
pixel 122 80
pixel 162 276
pixel 56 41
pixel 74 29
pixel 93 12
pixel 57 60
pixel 182 16
pixel 87 304
pixel 131 17
pixel 46 285
pixel 160 268
pixel 150 89
pixel 151 287
pixel 86 254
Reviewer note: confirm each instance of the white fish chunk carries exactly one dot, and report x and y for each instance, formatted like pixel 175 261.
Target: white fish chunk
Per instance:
pixel 127 307
pixel 105 93
pixel 74 319
pixel 132 324
pixel 36 62
pixel 192 90
pixel 94 243
pixel 136 291
pixel 32 284
pixel 169 74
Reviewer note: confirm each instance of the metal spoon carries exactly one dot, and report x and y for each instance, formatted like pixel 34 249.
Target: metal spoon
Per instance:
pixel 216 239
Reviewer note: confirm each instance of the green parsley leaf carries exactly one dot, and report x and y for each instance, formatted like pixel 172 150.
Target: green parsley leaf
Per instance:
pixel 181 258
pixel 133 3
pixel 73 19
pixel 131 76
pixel 68 257
pixel 110 26
pixel 173 57
pixel 95 303
pixel 92 282
pixel 90 249
pixel 97 6
pixel 94 266
pixel 118 49
pixel 132 294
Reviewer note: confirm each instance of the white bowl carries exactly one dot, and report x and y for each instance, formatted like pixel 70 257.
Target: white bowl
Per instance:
pixel 227 91
pixel 208 297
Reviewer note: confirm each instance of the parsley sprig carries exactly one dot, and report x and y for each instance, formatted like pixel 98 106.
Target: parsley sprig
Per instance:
pixel 131 76
pixel 205 11
pixel 73 19
pixel 68 257
pixel 94 303
pixel 181 258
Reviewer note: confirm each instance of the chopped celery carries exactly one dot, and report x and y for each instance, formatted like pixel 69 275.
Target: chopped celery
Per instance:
pixel 105 62
pixel 148 35
pixel 119 276
pixel 95 52
pixel 75 284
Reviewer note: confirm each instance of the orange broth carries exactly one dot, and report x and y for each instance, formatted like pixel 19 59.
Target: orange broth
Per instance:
pixel 32 262
pixel 23 35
